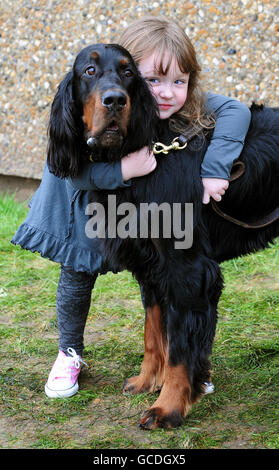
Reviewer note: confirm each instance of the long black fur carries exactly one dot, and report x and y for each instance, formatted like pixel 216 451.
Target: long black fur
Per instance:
pixel 186 283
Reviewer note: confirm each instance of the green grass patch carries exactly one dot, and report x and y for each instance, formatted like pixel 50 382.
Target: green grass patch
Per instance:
pixel 242 413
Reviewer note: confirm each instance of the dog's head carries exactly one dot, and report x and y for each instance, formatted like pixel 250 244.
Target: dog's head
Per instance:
pixel 104 104
pixel 104 77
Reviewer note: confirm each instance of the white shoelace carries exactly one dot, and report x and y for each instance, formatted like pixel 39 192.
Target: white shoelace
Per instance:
pixel 76 357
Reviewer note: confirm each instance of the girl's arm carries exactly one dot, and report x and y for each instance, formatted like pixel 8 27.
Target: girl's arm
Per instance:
pixel 232 123
pixel 98 176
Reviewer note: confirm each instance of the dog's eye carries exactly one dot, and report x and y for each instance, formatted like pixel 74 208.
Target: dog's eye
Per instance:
pixel 128 73
pixel 90 71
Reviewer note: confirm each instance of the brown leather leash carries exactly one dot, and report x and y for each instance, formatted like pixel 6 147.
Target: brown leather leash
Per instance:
pixel 238 169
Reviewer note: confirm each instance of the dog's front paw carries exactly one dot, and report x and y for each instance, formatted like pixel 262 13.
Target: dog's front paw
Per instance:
pixel 140 384
pixel 156 418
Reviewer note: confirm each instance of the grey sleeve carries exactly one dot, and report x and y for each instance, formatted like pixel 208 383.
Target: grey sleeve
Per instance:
pixel 232 124
pixel 98 176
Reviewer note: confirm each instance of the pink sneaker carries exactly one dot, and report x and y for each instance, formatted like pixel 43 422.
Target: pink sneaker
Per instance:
pixel 63 378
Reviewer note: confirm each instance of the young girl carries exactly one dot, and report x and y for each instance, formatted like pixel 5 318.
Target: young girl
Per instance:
pixel 167 60
pixel 55 224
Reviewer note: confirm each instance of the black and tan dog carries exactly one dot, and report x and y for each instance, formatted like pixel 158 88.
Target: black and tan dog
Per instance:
pixel 104 107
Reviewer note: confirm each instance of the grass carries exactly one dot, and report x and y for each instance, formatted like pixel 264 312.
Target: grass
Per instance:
pixel 242 413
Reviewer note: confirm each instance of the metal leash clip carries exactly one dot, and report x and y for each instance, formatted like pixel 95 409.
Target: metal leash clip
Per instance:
pixel 158 147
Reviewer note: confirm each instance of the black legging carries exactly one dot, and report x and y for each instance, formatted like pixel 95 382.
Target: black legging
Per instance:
pixel 72 305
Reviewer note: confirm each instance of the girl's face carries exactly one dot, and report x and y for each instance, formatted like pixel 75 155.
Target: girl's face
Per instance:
pixel 170 90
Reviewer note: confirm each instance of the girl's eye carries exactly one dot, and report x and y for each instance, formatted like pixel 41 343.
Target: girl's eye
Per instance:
pixel 90 71
pixel 152 80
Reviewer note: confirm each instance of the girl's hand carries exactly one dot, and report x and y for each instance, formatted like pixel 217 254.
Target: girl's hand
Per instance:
pixel 215 188
pixel 138 163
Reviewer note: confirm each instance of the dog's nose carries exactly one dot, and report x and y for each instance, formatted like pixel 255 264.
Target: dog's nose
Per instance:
pixel 114 100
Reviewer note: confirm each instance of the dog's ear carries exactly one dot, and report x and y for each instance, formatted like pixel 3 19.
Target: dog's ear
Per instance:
pixel 144 114
pixel 63 153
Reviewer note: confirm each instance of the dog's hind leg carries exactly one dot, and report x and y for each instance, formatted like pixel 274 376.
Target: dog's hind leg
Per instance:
pixel 151 377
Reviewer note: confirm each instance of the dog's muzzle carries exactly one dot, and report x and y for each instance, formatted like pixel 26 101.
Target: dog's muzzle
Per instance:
pixel 114 100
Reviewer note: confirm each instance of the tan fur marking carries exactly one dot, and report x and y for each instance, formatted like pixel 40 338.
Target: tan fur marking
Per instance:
pixel 152 373
pixel 89 110
pixel 94 115
pixel 94 55
pixel 175 395
pixel 125 116
pixel 124 61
